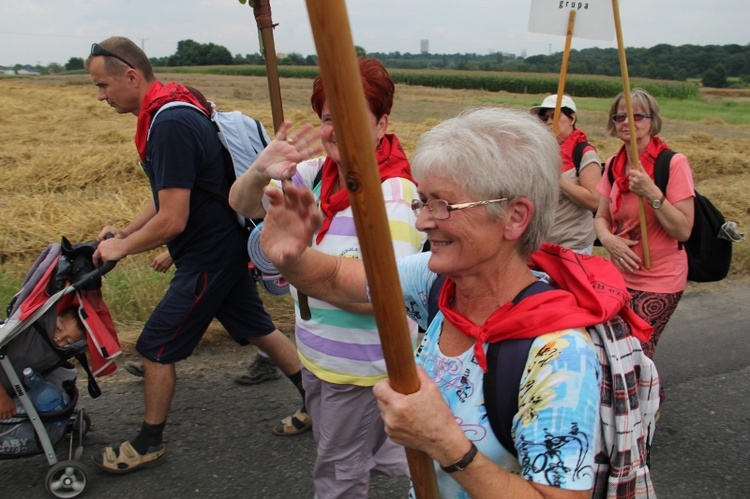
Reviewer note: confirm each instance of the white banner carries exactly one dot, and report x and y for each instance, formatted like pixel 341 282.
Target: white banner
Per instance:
pixel 594 18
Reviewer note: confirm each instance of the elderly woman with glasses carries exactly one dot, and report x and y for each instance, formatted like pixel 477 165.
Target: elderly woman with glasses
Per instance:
pixel 657 290
pixel 488 188
pixel 580 172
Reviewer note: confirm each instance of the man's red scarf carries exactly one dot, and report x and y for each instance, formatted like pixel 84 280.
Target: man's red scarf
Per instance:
pixel 158 95
pixel 648 160
pixel 567 148
pixel 392 163
pixel 590 291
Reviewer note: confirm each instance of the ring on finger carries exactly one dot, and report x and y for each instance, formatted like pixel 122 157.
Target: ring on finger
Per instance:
pixel 290 140
pixel 622 259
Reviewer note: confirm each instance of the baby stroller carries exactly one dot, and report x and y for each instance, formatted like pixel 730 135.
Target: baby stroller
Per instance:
pixel 63 276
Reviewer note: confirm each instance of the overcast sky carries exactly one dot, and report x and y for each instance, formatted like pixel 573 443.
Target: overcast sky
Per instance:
pixel 46 31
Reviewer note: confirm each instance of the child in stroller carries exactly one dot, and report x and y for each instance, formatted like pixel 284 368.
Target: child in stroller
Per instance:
pixel 57 315
pixel 69 329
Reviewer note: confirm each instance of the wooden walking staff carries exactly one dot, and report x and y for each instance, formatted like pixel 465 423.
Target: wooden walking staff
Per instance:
pixel 343 87
pixel 262 12
pixel 563 71
pixel 631 129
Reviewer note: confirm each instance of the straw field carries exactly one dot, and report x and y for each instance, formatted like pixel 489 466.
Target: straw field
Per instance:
pixel 68 165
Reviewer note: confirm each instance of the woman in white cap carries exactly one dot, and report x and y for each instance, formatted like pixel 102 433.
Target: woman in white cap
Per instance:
pixel 580 174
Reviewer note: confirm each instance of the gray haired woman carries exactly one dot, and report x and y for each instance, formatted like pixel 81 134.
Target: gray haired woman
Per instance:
pixel 488 187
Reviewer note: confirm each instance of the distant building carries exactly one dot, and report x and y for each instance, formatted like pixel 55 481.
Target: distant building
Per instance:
pixel 22 70
pixel 424 46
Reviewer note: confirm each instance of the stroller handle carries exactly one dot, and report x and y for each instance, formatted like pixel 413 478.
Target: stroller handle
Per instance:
pixel 94 274
pixel 97 272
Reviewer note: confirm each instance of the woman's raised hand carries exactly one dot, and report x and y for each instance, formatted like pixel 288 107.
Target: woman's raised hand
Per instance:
pixel 280 158
pixel 292 218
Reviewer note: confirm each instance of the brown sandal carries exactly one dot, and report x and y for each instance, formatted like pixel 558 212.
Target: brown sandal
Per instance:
pixel 126 458
pixel 297 423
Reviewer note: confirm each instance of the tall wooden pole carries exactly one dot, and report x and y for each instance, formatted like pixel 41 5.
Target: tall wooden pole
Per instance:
pixel 631 129
pixel 262 12
pixel 345 96
pixel 563 71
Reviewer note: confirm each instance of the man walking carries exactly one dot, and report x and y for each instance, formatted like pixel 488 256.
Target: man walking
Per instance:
pixel 182 157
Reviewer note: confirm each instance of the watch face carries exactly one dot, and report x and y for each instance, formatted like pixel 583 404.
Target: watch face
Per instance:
pixel 656 204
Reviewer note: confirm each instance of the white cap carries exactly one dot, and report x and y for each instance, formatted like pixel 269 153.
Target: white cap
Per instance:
pixel 550 101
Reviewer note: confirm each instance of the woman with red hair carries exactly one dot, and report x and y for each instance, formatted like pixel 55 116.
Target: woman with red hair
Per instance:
pixel 338 344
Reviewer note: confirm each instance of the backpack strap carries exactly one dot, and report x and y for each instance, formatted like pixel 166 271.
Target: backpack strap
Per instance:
pixel 661 169
pixel 610 174
pixel 506 361
pixel 661 174
pixel 260 133
pixel 168 105
pixel 318 178
pixel 578 156
pixel 432 298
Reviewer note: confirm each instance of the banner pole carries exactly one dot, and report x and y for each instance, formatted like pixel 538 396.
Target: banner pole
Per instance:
pixel 563 71
pixel 631 128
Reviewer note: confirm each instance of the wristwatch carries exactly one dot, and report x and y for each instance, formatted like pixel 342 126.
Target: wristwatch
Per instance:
pixel 462 463
pixel 657 203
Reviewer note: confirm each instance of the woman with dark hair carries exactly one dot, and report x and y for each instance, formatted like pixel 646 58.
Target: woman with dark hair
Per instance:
pixel 655 291
pixel 580 173
pixel 338 343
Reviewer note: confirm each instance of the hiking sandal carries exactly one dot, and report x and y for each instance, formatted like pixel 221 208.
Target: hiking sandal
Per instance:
pixel 126 458
pixel 297 423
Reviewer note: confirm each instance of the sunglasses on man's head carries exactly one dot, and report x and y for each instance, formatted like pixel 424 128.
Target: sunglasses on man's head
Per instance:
pixel 637 117
pixel 97 49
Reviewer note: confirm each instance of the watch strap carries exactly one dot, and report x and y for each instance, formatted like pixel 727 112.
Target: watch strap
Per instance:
pixel 462 463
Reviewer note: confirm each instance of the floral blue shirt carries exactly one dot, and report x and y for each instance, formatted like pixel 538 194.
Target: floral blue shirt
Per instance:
pixel 555 427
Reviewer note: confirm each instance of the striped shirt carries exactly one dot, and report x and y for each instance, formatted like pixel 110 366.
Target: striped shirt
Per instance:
pixel 339 346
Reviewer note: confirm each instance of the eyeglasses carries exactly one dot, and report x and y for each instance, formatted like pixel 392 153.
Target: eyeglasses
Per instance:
pixel 97 49
pixel 441 210
pixel 637 117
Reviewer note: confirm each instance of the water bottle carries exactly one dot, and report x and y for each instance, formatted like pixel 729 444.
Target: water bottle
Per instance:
pixel 45 396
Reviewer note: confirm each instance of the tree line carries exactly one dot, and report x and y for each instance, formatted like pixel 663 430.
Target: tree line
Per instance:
pixel 715 65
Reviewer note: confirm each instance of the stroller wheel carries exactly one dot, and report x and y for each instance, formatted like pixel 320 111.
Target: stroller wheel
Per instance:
pixel 66 479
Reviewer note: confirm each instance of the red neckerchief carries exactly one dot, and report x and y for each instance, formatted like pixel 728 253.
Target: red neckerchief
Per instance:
pixel 590 291
pixel 158 95
pixel 567 147
pixel 648 159
pixel 392 162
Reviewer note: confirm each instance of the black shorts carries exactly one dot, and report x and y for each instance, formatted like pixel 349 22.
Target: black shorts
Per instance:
pixel 193 299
